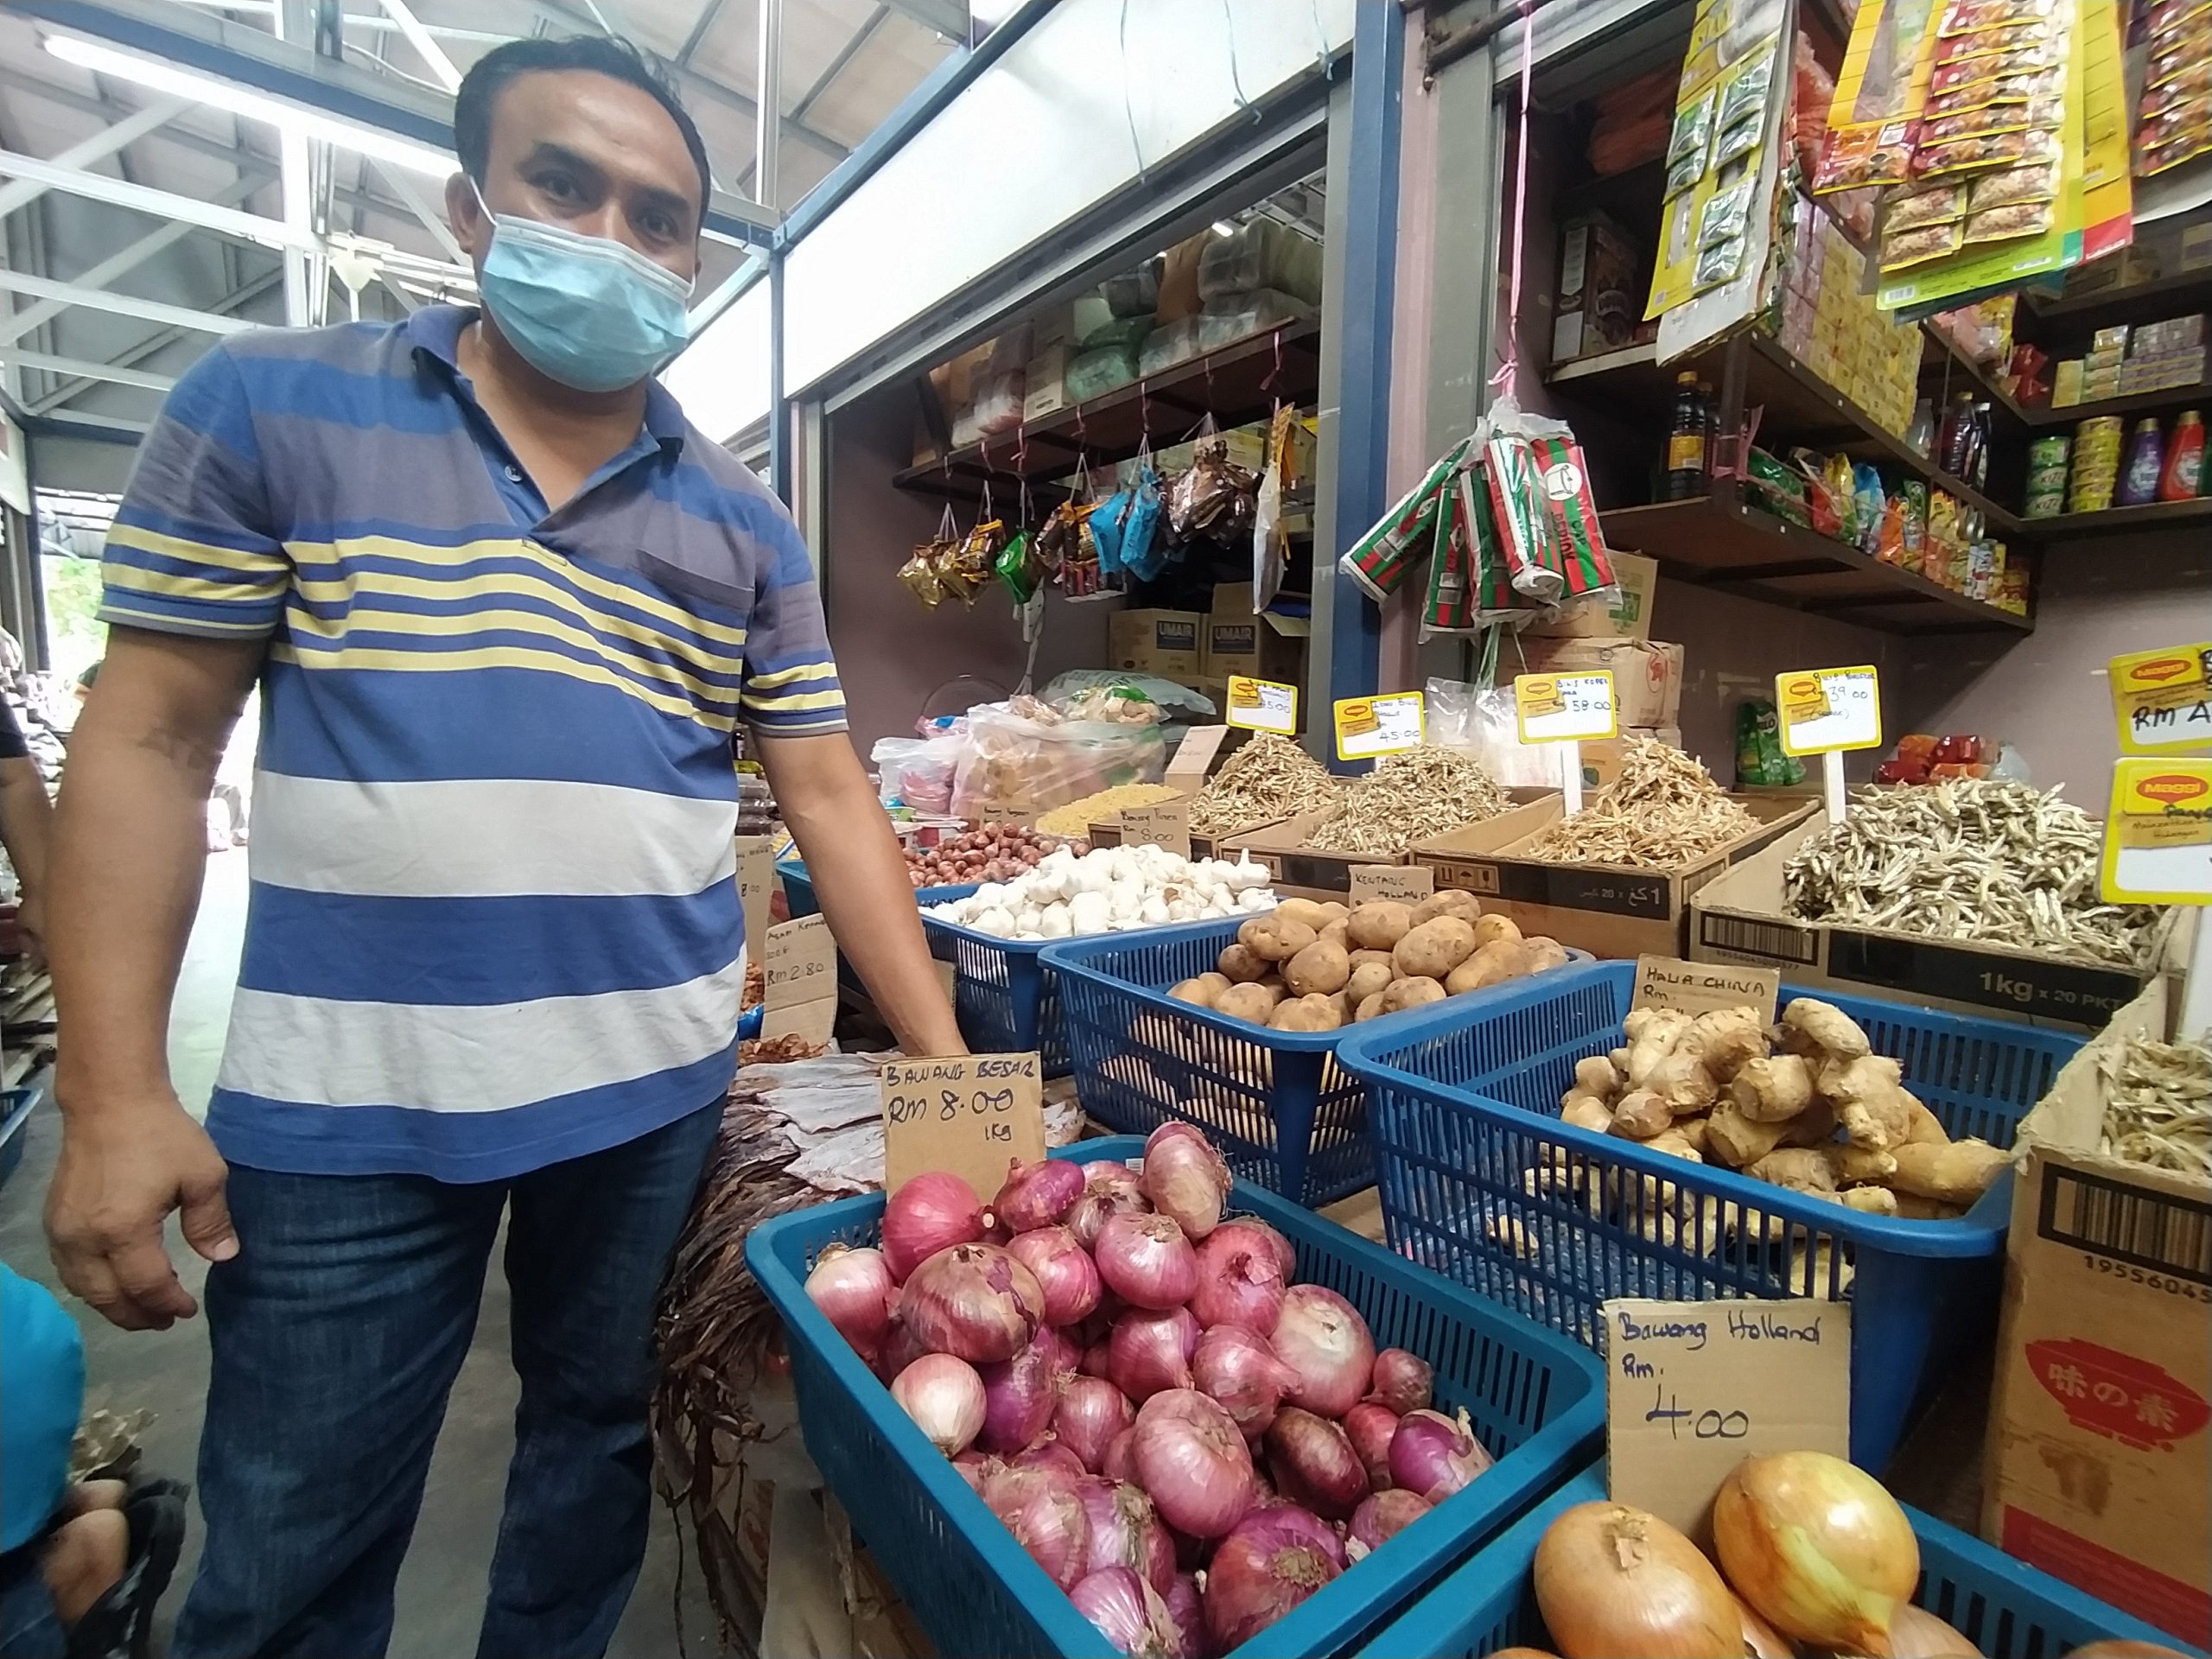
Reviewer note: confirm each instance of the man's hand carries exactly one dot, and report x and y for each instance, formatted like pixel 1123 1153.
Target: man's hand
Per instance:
pixel 122 1170
pixel 30 915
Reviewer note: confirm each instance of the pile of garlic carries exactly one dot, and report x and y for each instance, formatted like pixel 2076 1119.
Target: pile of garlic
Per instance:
pixel 1108 890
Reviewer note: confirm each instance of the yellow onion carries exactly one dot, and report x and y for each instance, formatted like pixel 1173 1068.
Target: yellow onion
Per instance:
pixel 1915 1633
pixel 1817 1547
pixel 1761 1639
pixel 1613 1580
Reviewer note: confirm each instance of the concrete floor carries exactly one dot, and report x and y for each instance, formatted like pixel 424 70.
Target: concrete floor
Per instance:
pixel 441 1586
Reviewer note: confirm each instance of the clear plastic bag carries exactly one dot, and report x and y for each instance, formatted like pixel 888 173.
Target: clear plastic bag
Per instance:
pixel 1015 766
pixel 1482 724
pixel 918 771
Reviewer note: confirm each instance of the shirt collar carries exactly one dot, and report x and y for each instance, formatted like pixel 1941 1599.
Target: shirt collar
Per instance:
pixel 435 330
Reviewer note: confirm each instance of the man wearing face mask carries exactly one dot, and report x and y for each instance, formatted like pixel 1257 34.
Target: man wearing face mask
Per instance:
pixel 507 609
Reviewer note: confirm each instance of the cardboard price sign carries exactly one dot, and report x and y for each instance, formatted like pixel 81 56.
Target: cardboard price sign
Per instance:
pixel 1695 988
pixel 800 968
pixel 969 1113
pixel 1167 824
pixel 1565 708
pixel 1828 710
pixel 1367 726
pixel 1405 884
pixel 1263 705
pixel 2159 833
pixel 1693 1389
pixel 756 882
pixel 2162 699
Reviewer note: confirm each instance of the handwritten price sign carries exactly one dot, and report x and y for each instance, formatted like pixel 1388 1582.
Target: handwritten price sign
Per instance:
pixel 1367 726
pixel 1263 705
pixel 2162 699
pixel 1828 710
pixel 971 1113
pixel 1565 708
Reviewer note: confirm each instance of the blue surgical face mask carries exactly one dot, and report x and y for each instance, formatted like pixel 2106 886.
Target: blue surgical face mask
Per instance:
pixel 584 310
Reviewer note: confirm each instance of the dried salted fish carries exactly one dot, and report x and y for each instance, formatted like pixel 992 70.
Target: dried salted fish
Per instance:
pixel 1270 778
pixel 1661 812
pixel 1970 858
pixel 1409 797
pixel 2158 1104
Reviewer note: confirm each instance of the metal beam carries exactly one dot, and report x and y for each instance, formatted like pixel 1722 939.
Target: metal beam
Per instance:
pixel 949 21
pixel 768 125
pixel 122 305
pixel 425 47
pixel 159 204
pixel 97 425
pixel 431 219
pixel 98 147
pixel 705 21
pixel 252 289
pixel 846 54
pixel 84 371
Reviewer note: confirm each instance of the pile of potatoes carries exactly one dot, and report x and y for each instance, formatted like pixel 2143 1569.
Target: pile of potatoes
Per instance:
pixel 1314 967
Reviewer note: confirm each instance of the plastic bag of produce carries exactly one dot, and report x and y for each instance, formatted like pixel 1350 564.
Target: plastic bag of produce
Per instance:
pixel 1175 342
pixel 1481 723
pixel 1233 317
pixel 1107 368
pixel 1016 766
pixel 1261 253
pixel 918 771
pixel 1133 293
pixel 1066 691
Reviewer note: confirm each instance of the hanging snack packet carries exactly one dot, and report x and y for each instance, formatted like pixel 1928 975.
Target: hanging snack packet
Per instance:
pixel 1378 561
pixel 1524 525
pixel 1935 204
pixel 969 565
pixel 1971 16
pixel 919 575
pixel 1993 118
pixel 1864 155
pixel 1989 149
pixel 1902 249
pixel 2035 183
pixel 1745 91
pixel 1727 212
pixel 2171 16
pixel 1014 570
pixel 1688 144
pixel 1450 605
pixel 2025 88
pixel 1776 488
pixel 1578 540
pixel 2003 224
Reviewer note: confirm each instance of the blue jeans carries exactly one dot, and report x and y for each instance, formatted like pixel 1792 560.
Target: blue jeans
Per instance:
pixel 337 1331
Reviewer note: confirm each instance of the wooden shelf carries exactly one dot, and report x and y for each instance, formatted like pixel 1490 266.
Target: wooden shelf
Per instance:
pixel 1946 357
pixel 2113 521
pixel 1236 383
pixel 2167 296
pixel 1730 548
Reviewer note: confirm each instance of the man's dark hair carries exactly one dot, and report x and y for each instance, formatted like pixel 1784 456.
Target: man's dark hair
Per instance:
pixel 601 54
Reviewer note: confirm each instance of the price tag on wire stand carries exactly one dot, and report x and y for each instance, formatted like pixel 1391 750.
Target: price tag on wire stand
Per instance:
pixel 1827 711
pixel 1368 727
pixel 1263 705
pixel 971 1113
pixel 1565 708
pixel 2158 851
pixel 2162 699
pixel 1693 1389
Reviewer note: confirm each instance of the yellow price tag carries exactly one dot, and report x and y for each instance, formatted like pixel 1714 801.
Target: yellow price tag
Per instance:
pixel 1367 726
pixel 1827 710
pixel 2159 833
pixel 1261 705
pixel 1565 708
pixel 2162 699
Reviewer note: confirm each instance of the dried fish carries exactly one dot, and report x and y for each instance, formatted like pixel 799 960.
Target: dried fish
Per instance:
pixel 1663 811
pixel 1970 858
pixel 1270 778
pixel 2158 1104
pixel 1409 796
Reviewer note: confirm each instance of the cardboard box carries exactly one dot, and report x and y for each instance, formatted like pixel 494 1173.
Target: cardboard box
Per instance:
pixel 1647 673
pixel 1598 299
pixel 1169 643
pixel 1601 761
pixel 1047 382
pixel 2099 1469
pixel 1607 910
pixel 1246 645
pixel 1741 917
pixel 1623 615
pixel 1300 871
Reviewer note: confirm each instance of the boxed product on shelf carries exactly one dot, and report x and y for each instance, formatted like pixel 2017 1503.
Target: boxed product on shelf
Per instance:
pixel 1166 643
pixel 1238 642
pixel 1172 343
pixel 1647 673
pixel 1624 614
pixel 2097 1471
pixel 1596 302
pixel 1231 317
pixel 1261 254
pixel 1101 370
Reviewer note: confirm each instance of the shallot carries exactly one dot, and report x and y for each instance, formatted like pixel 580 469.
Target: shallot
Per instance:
pixel 1241 1373
pixel 1322 1338
pixel 1184 1178
pixel 1382 1516
pixel 972 1300
pixel 1313 1464
pixel 1269 1563
pixel 1092 1412
pixel 1108 1190
pixel 1256 1231
pixel 1240 1281
pixel 1402 1382
pixel 1147 1261
pixel 1613 1580
pixel 1019 1396
pixel 853 1288
pixel 930 1213
pixel 1126 1610
pixel 1125 1531
pixel 1049 1453
pixel 1058 1346
pixel 1037 1195
pixel 1434 1456
pixel 944 1397
pixel 1120 1462
pixel 1040 1509
pixel 1064 1271
pixel 1150 1352
pixel 1371 1426
pixel 1192 1461
pixel 1817 1547
pixel 1186 1618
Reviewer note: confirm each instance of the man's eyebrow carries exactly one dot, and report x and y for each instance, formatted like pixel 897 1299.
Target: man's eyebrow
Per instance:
pixel 546 150
pixel 674 202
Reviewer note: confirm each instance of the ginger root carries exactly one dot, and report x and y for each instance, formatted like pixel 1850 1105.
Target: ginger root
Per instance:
pixel 1596 1076
pixel 1807 1022
pixel 1926 1129
pixel 1854 1166
pixel 1586 1111
pixel 1957 1173
pixel 1803 1169
pixel 1683 1082
pixel 1640 1115
pixel 1652 1034
pixel 1725 1039
pixel 1772 1090
pixel 1870 1101
pixel 1737 1140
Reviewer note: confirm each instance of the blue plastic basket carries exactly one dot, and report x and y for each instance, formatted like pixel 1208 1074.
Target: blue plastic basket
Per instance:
pixel 2006 1610
pixel 16 1105
pixel 1480 1180
pixel 1276 1103
pixel 801 900
pixel 1534 1398
pixel 1009 1001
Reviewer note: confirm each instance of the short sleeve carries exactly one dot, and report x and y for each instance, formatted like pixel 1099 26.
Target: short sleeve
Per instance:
pixel 791 686
pixel 192 549
pixel 12 746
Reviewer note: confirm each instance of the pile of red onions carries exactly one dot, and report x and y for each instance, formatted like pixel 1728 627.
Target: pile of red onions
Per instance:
pixel 1186 1440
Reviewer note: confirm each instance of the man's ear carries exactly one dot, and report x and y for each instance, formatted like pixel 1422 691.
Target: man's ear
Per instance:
pixel 463 215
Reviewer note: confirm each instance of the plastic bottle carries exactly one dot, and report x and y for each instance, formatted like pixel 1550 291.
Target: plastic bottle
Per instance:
pixel 1686 441
pixel 1710 412
pixel 1957 431
pixel 2138 480
pixel 1921 434
pixel 2184 468
pixel 1985 426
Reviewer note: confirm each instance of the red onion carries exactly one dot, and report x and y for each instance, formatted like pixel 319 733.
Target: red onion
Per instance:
pixel 974 1468
pixel 1191 1460
pixel 1185 1178
pixel 1240 1281
pixel 1040 1509
pixel 1063 1269
pixel 1092 1412
pixel 901 1348
pixel 1271 1562
pixel 1065 1353
pixel 1109 1190
pixel 1186 1618
pixel 1322 1338
pixel 1241 1373
pixel 1255 1230
pixel 1149 1352
pixel 1097 1359
pixel 931 1212
pixel 1371 1425
pixel 1125 1531
pixel 1402 1382
pixel 1147 1261
pixel 1313 1464
pixel 853 1288
pixel 973 1301
pixel 1018 1398
pixel 1120 1462
pixel 1049 1453
pixel 1039 1194
pixel 1126 1610
pixel 1381 1517
pixel 1434 1456
pixel 944 1397
pixel 1170 1129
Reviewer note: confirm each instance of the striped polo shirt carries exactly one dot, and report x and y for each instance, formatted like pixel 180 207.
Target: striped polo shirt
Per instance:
pixel 494 920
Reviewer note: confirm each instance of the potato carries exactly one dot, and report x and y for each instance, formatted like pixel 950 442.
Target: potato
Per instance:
pixel 1304 911
pixel 1380 958
pixel 1370 1008
pixel 1491 965
pixel 1488 928
pixel 1543 953
pixel 1277 939
pixel 1415 991
pixel 1369 979
pixel 1344 1006
pixel 1206 990
pixel 1337 910
pixel 1306 1013
pixel 1321 967
pixel 1452 901
pixel 1242 965
pixel 1434 949
pixel 1274 987
pixel 1251 1002
pixel 1380 926
pixel 1339 934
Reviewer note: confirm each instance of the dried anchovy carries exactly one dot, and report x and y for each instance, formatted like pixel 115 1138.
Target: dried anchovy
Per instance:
pixel 2158 1104
pixel 1970 858
pixel 1270 778
pixel 1409 797
pixel 1663 811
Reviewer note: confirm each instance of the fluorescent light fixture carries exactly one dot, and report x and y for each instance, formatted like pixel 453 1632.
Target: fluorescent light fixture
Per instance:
pixel 1224 227
pixel 235 99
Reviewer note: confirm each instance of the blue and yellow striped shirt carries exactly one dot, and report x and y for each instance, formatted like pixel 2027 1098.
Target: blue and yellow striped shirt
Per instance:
pixel 495 919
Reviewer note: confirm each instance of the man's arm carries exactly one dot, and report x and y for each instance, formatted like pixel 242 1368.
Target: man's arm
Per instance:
pixel 132 848
pixel 860 875
pixel 27 829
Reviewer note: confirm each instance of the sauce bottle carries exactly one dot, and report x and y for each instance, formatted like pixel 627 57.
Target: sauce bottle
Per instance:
pixel 1686 441
pixel 2139 480
pixel 2184 465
